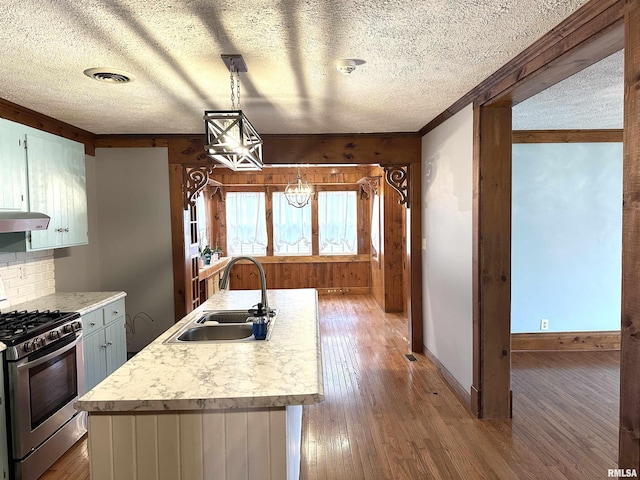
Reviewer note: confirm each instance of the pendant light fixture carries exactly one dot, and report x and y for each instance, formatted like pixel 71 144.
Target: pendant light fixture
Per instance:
pixel 231 139
pixel 298 192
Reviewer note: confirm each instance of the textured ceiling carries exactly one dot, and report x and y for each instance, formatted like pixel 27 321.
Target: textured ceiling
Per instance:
pixel 592 98
pixel 421 56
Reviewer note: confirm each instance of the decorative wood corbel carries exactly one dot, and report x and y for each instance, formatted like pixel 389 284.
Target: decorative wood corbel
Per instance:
pixel 397 177
pixel 368 186
pixel 194 180
pixel 216 188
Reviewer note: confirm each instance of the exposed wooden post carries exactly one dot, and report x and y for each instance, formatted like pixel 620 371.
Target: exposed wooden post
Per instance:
pixel 414 259
pixel 181 284
pixel 629 440
pixel 490 393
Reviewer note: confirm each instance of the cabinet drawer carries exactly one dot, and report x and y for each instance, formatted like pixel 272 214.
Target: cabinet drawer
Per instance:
pixel 113 311
pixel 92 321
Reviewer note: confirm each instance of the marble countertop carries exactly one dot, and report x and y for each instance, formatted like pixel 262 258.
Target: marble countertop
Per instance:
pixel 81 302
pixel 285 370
pixel 3 347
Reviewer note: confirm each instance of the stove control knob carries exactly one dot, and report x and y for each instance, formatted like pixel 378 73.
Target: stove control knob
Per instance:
pixel 77 325
pixel 28 346
pixel 68 328
pixel 38 342
pixel 53 335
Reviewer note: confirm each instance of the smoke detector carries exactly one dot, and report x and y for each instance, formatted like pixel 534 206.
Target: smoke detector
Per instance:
pixel 346 66
pixel 109 75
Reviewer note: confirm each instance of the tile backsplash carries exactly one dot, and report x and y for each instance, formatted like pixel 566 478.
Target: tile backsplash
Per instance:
pixel 26 276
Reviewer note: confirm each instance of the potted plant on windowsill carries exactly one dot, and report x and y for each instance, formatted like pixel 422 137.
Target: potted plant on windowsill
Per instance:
pixel 206 255
pixel 216 253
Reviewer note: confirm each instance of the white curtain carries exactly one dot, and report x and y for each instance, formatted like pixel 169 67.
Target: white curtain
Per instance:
pixel 291 227
pixel 246 223
pixel 338 223
pixel 201 220
pixel 375 225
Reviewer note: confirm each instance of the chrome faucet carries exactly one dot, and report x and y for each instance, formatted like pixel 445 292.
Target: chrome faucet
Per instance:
pixel 224 280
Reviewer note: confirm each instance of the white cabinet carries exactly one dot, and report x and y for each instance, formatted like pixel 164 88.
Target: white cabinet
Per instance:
pixel 13 168
pixel 105 342
pixel 46 174
pixel 57 187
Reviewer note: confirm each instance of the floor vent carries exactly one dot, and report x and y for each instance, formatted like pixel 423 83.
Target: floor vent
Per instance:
pixel 411 357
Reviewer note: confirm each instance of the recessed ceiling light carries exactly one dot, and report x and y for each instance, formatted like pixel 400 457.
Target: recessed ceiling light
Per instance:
pixel 109 75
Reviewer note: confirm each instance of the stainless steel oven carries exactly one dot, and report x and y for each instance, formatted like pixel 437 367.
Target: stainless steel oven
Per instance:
pixel 45 376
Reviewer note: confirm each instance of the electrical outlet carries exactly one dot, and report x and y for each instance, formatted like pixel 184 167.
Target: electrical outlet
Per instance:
pixel 544 324
pixel 3 294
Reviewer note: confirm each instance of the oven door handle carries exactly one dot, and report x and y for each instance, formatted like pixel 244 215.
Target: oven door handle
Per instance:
pixel 25 363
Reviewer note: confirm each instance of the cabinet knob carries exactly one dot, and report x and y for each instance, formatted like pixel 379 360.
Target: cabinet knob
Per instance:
pixel 92 324
pixel 103 346
pixel 66 230
pixel 116 312
pixel 109 344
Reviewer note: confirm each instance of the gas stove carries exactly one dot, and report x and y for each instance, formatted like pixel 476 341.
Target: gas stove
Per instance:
pixel 24 332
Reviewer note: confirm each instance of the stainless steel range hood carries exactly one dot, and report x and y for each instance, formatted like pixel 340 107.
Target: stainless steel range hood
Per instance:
pixel 23 221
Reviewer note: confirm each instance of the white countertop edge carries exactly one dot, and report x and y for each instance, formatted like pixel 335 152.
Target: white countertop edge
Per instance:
pixel 174 405
pixel 3 347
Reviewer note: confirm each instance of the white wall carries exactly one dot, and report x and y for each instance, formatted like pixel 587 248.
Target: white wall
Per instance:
pixel 566 237
pixel 447 186
pixel 129 239
pixel 134 228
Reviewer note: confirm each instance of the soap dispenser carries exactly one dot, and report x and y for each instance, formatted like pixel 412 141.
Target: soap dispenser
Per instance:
pixel 259 319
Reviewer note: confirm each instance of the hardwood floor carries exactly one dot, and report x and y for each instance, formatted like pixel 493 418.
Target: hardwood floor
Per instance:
pixel 387 418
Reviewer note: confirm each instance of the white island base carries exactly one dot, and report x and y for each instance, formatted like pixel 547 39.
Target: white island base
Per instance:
pixel 225 444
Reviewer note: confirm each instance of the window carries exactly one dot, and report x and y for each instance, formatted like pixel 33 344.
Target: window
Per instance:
pixel 291 227
pixel 246 223
pixel 375 226
pixel 201 220
pixel 337 223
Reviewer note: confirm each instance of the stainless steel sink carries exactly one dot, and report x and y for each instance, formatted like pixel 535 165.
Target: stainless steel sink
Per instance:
pixel 219 326
pixel 224 316
pixel 217 333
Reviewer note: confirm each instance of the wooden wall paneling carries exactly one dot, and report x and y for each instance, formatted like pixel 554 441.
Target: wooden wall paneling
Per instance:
pixel 131 141
pixel 393 251
pixel 376 264
pixel 341 149
pixel 315 228
pixel 629 440
pixel 492 260
pixel 593 20
pixel 17 113
pixel 268 206
pixel 413 252
pixel 566 136
pixel 181 263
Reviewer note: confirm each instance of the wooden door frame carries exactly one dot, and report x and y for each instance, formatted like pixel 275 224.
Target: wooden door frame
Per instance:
pixel 589 35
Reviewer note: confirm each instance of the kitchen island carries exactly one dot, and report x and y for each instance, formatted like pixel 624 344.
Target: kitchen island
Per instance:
pixel 229 410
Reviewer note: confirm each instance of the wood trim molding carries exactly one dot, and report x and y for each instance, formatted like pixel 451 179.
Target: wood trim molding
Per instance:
pixel 567 136
pixel 450 380
pixel 575 341
pixel 629 449
pixel 587 36
pixel 31 118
